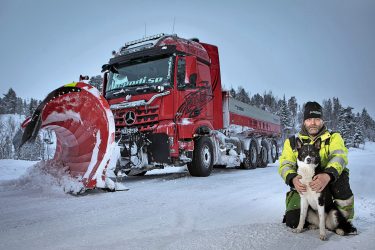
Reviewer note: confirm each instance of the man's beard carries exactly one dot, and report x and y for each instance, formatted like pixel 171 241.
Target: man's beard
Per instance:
pixel 313 130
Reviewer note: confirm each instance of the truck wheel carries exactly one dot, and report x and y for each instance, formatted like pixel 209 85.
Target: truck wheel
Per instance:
pixel 251 159
pixel 274 151
pixel 203 158
pixel 263 156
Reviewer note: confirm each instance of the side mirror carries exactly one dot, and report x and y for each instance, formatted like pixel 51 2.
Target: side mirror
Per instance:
pixel 105 67
pixel 191 70
pixel 105 81
pixel 108 67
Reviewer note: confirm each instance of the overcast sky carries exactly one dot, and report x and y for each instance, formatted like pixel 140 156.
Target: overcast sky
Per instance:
pixel 313 50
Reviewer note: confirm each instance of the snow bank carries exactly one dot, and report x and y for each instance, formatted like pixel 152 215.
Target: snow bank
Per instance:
pixel 44 176
pixel 13 169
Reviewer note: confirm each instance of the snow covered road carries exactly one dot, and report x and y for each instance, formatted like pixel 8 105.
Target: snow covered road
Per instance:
pixel 231 209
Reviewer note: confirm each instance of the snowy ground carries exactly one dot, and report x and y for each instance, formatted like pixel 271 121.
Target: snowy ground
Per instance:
pixel 231 209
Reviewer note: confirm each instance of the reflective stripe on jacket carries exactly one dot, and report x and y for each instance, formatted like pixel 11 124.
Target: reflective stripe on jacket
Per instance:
pixel 333 157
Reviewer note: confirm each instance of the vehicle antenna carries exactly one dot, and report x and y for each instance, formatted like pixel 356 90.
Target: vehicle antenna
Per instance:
pixel 174 21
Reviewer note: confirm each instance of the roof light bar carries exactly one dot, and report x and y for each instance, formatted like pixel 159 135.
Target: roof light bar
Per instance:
pixel 144 39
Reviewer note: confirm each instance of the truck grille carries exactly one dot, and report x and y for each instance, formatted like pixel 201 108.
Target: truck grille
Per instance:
pixel 144 119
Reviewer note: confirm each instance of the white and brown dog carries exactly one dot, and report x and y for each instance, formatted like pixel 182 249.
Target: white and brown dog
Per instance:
pixel 308 162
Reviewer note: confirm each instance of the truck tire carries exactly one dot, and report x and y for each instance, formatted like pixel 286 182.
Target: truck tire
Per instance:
pixel 251 159
pixel 263 154
pixel 203 157
pixel 274 150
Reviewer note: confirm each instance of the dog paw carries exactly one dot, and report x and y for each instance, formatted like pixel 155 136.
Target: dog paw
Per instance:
pixel 323 237
pixel 340 232
pixel 354 232
pixel 297 230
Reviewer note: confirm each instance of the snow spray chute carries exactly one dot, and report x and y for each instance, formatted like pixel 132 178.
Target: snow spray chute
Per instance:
pixel 85 132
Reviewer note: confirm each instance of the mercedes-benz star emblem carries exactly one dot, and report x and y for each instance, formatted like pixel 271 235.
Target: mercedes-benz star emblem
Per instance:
pixel 130 118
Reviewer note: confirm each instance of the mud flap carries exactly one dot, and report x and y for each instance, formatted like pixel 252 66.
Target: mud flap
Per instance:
pixel 85 131
pixel 158 149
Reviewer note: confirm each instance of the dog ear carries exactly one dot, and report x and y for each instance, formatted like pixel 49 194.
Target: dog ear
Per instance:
pixel 318 143
pixel 298 143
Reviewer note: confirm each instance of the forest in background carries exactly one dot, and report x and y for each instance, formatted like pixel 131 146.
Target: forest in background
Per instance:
pixel 355 128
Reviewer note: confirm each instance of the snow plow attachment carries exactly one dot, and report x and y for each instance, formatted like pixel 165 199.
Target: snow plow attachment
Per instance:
pixel 85 132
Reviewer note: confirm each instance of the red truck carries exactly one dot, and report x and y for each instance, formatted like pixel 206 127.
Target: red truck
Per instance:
pixel 162 105
pixel 169 109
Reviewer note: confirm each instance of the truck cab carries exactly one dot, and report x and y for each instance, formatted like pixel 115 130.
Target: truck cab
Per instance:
pixel 160 91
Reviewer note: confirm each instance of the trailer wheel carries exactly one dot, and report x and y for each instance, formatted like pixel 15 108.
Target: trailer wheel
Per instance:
pixel 203 157
pixel 274 151
pixel 263 156
pixel 251 159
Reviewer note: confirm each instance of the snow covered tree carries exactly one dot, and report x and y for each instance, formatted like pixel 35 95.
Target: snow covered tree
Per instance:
pixel 5 146
pixel 300 111
pixel 292 105
pixel 335 113
pixel 346 126
pixel 284 113
pixel 7 130
pixel 368 125
pixel 270 102
pixel 242 95
pixel 32 106
pixel 327 113
pixel 97 82
pixel 232 92
pixel 2 106
pixel 25 152
pixel 358 137
pixel 25 108
pixel 31 151
pixel 19 106
pixel 10 102
pixel 285 119
pixel 257 100
pixel 38 152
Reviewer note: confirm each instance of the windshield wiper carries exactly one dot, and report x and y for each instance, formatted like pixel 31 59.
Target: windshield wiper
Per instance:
pixel 143 89
pixel 119 92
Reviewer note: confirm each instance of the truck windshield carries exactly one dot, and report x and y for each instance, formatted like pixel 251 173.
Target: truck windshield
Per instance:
pixel 155 72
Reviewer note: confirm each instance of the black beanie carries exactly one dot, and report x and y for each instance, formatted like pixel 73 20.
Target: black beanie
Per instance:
pixel 312 110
